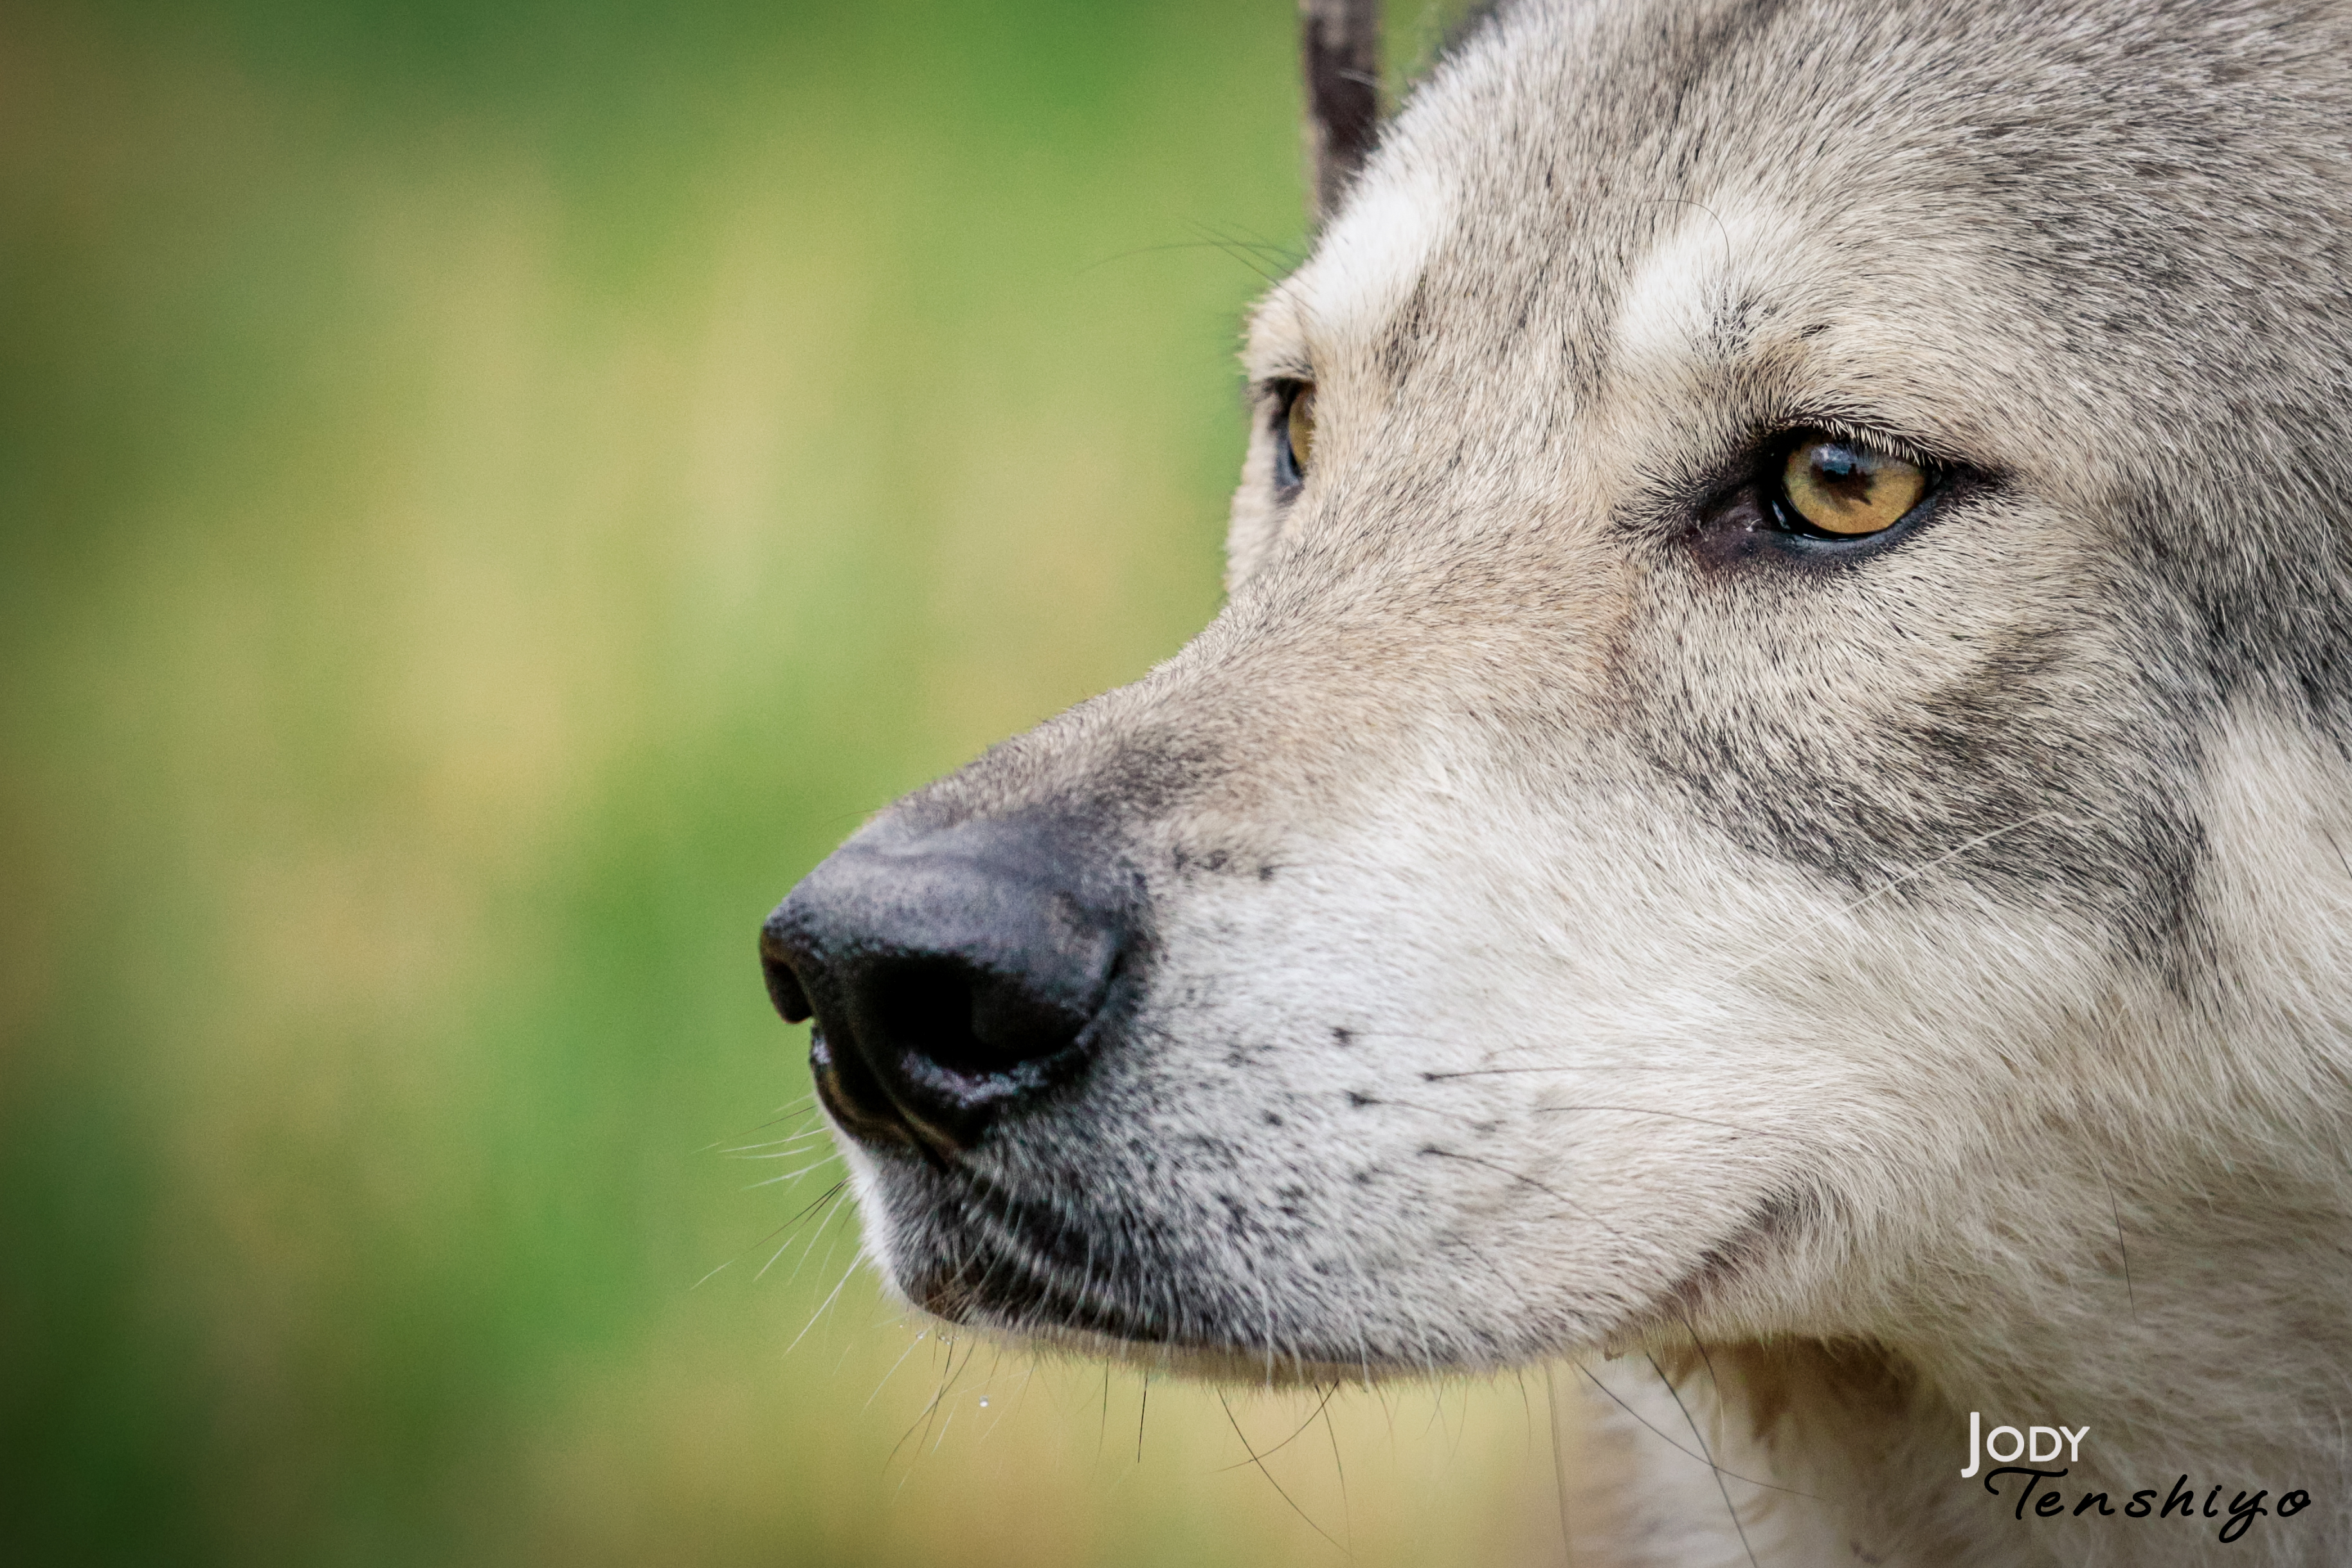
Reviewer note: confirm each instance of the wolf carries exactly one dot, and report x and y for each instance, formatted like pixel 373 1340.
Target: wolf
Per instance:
pixel 1767 813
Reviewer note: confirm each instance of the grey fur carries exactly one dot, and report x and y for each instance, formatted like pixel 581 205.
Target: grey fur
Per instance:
pixel 1576 921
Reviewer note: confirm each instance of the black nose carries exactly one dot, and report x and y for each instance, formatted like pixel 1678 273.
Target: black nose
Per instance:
pixel 954 974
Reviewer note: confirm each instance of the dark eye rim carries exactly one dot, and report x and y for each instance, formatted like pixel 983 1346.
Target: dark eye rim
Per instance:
pixel 1771 488
pixel 1288 476
pixel 1737 520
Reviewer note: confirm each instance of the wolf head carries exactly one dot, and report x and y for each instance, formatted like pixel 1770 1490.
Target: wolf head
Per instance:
pixel 1585 884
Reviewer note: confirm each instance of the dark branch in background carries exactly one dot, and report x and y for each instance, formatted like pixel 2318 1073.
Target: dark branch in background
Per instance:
pixel 1340 50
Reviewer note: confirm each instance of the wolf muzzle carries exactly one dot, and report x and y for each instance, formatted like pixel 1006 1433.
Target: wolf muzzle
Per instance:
pixel 956 974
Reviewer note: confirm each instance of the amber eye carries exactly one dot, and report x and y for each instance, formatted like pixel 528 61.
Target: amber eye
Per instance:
pixel 1845 491
pixel 1297 436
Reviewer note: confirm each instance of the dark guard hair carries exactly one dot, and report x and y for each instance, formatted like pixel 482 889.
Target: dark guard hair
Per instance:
pixel 1339 47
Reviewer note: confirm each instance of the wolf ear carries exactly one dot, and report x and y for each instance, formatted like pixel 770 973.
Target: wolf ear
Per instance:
pixel 1341 49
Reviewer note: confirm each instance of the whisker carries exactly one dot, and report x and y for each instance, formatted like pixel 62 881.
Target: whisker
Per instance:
pixel 1884 889
pixel 1466 1118
pixel 1580 1066
pixel 786 1112
pixel 1677 1448
pixel 1719 229
pixel 1102 1431
pixel 1227 247
pixel 1347 1527
pixel 822 1307
pixel 1238 252
pixel 923 1419
pixel 810 1250
pixel 743 1150
pixel 1676 1116
pixel 1561 1067
pixel 894 1368
pixel 785 1229
pixel 1292 254
pixel 2115 1211
pixel 791 1175
pixel 1700 1437
pixel 1558 1467
pixel 1252 240
pixel 1539 1186
pixel 1708 1361
pixel 1268 1474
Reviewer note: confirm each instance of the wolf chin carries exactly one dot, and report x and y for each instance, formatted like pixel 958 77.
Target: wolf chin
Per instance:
pixel 1769 809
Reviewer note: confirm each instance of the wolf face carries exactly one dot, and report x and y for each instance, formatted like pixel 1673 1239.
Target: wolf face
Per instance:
pixel 1773 769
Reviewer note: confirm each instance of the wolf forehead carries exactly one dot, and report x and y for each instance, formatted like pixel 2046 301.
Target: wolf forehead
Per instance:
pixel 1917 207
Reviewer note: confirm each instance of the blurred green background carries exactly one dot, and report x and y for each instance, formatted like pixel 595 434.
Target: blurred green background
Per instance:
pixel 490 493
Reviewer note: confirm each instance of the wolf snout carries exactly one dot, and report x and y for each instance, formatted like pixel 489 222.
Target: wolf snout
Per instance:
pixel 955 975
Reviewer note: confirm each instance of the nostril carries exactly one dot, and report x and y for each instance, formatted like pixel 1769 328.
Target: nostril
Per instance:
pixel 846 1087
pixel 924 1006
pixel 963 1021
pixel 783 986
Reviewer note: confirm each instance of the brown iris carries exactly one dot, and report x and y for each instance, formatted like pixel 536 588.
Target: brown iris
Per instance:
pixel 1299 426
pixel 1838 488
